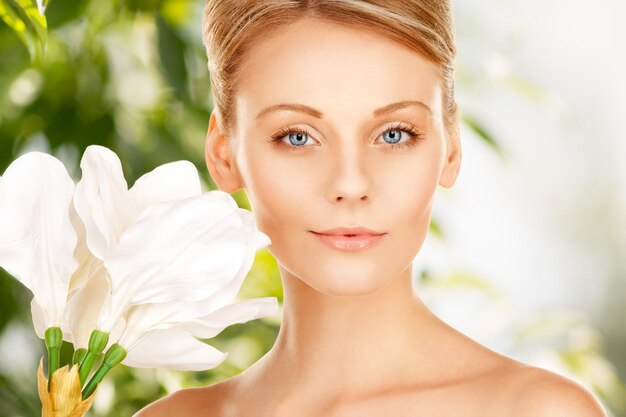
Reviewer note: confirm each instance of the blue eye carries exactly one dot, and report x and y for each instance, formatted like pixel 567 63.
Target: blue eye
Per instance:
pixel 297 137
pixel 395 135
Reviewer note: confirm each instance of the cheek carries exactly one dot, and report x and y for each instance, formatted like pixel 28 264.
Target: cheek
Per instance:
pixel 276 193
pixel 420 184
pixel 408 184
pixel 409 204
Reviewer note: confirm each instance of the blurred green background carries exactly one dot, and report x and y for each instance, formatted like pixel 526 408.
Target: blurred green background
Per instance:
pixel 131 75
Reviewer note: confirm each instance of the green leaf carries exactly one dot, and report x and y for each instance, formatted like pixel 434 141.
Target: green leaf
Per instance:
pixel 172 55
pixel 458 279
pixel 435 228
pixel 177 12
pixel 482 132
pixel 28 23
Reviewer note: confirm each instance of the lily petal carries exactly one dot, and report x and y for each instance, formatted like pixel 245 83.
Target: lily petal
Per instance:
pixel 240 312
pixel 163 314
pixel 102 200
pixel 182 250
pixel 37 239
pixel 83 308
pixel 256 240
pixel 88 263
pixel 39 319
pixel 171 181
pixel 199 321
pixel 173 349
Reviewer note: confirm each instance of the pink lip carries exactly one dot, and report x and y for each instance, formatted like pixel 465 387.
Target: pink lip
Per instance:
pixel 349 231
pixel 356 242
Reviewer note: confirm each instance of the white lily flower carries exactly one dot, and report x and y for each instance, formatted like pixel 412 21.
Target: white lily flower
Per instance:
pixel 147 323
pixel 166 315
pixel 177 255
pixel 169 276
pixel 37 238
pixel 107 207
pixel 174 260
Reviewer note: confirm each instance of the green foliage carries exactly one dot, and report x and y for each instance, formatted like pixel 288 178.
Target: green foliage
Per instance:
pixel 28 22
pixel 482 132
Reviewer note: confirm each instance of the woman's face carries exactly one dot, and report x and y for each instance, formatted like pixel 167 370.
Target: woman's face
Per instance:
pixel 341 84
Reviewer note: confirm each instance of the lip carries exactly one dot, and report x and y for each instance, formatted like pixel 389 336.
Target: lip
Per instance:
pixel 342 231
pixel 350 243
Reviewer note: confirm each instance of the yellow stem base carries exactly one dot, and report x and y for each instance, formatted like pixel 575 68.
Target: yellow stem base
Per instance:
pixel 64 398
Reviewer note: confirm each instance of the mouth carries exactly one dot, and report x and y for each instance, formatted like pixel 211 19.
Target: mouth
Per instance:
pixel 349 241
pixel 349 232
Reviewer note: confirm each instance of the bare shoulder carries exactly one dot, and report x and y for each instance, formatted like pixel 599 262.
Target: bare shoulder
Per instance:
pixel 538 392
pixel 191 402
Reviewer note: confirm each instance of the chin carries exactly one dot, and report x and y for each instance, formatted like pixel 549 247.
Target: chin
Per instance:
pixel 341 282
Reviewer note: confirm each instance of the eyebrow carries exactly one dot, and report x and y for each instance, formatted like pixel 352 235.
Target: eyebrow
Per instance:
pixel 318 114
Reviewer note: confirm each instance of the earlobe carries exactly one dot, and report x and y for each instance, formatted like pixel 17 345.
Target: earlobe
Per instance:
pixel 219 159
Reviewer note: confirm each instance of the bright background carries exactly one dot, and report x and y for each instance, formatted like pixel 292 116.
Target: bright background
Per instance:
pixel 524 251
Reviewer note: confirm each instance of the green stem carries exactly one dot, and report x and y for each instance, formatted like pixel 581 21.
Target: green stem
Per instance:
pixel 114 356
pixel 54 340
pixel 97 342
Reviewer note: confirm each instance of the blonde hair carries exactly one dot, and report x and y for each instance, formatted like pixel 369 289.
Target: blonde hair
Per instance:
pixel 231 27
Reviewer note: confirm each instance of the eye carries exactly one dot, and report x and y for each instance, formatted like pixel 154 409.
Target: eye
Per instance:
pixel 394 134
pixel 296 136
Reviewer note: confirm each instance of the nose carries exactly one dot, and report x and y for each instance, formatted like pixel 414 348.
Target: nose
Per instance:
pixel 350 174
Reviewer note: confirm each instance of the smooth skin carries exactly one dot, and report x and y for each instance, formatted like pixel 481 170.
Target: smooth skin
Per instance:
pixel 355 338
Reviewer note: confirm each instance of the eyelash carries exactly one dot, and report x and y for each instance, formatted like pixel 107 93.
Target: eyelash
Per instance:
pixel 414 137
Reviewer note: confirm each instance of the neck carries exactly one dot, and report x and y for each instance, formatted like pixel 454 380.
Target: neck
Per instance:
pixel 334 341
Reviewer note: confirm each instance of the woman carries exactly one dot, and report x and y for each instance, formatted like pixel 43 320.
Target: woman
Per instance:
pixel 338 118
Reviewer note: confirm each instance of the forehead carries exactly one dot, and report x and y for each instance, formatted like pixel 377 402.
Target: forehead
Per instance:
pixel 326 65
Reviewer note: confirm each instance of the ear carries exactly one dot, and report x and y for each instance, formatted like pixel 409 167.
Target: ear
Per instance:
pixel 452 164
pixel 219 157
